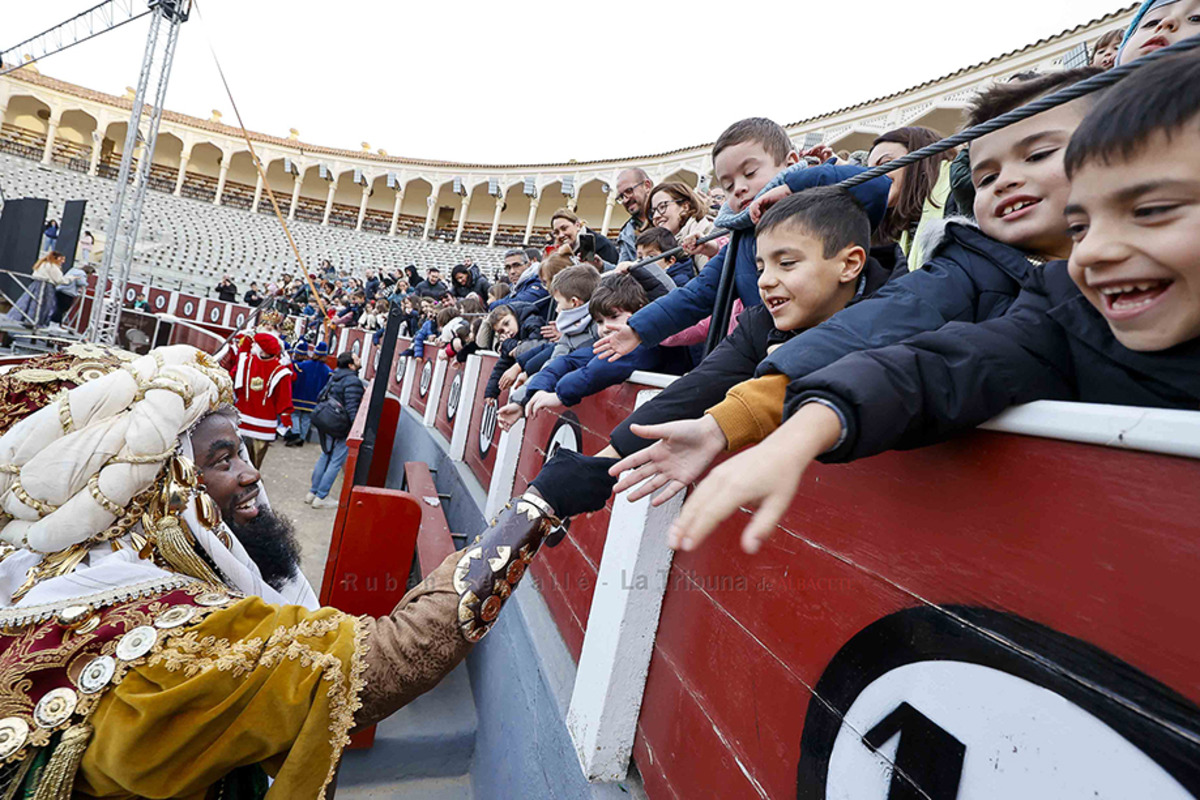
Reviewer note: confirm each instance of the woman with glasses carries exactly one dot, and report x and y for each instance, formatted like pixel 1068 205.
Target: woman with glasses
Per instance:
pixel 676 207
pixel 565 227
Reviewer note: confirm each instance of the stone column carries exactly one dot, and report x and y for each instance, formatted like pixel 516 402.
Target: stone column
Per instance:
pixel 533 204
pixel 258 190
pixel 362 206
pixel 431 202
pixel 221 176
pixel 297 179
pixel 329 201
pixel 51 133
pixel 396 212
pixel 184 157
pixel 609 205
pixel 462 219
pixel 94 163
pixel 496 220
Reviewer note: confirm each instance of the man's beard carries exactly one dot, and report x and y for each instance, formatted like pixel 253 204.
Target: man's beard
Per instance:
pixel 270 541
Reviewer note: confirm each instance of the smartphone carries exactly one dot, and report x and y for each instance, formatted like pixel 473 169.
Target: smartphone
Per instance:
pixel 585 246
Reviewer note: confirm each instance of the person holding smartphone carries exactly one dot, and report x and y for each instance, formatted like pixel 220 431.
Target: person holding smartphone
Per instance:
pixel 568 229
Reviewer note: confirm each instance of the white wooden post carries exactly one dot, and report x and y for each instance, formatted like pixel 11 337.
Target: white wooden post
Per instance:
pixel 406 383
pixel 466 404
pixel 621 629
pixel 435 389
pixel 508 453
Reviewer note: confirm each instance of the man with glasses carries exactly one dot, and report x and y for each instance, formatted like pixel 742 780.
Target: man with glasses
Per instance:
pixel 633 192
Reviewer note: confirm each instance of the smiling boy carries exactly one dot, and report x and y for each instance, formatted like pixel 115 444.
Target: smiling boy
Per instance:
pixel 973 274
pixel 1119 323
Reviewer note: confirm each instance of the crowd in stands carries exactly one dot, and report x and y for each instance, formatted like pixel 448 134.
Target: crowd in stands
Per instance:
pixel 1054 258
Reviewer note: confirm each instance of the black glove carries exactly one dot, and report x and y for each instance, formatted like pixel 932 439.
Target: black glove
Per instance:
pixel 573 483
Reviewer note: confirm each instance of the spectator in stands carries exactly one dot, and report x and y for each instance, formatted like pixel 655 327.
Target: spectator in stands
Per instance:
pixel 1157 24
pixel 371 287
pixel 227 290
pixel 748 156
pixel 413 276
pixel 252 297
pixel 368 320
pixel 465 283
pixel 50 234
pixel 66 293
pixel 1117 324
pixel 516 327
pixel 680 210
pixel 1104 52
pixel 141 303
pixel 36 306
pixel 572 290
pixel 311 377
pixel 433 286
pixel 567 380
pixel 410 317
pixel 86 243
pixel 656 241
pixel 349 314
pixel 972 275
pixel 633 193
pixel 328 272
pixel 527 287
pixel 533 254
pixel 918 194
pixel 716 199
pixel 346 388
pixel 499 291
pixel 566 226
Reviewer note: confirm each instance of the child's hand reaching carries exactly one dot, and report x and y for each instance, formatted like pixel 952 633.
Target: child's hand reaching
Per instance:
pixel 622 342
pixel 508 416
pixel 521 380
pixel 683 451
pixel 765 476
pixel 691 246
pixel 544 401
pixel 510 375
pixel 759 207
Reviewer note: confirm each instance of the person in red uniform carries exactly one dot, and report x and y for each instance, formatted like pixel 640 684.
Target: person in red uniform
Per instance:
pixel 262 386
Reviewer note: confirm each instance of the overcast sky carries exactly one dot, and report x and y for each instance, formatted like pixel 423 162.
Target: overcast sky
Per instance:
pixel 541 81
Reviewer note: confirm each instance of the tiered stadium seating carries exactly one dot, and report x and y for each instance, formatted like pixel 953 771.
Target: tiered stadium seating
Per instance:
pixel 190 243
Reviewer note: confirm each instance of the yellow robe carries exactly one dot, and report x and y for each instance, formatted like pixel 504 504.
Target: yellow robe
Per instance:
pixel 251 683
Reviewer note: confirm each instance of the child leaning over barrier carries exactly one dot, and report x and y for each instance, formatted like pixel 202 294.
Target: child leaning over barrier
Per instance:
pixel 568 379
pixel 574 327
pixel 973 273
pixel 747 156
pixel 515 327
pixel 1117 323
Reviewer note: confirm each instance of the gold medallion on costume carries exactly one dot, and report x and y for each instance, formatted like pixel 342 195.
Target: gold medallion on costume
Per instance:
pixel 257 384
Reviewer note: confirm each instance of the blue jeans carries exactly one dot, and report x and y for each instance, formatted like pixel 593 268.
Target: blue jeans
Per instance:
pixel 327 468
pixel 301 423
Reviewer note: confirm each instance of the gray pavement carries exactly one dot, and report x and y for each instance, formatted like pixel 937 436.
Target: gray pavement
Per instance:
pixel 286 475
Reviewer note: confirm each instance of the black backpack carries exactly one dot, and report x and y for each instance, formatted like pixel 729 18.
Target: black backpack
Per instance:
pixel 329 416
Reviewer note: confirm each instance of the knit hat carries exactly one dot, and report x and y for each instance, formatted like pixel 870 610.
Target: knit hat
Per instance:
pixel 1147 7
pixel 301 348
pixel 322 349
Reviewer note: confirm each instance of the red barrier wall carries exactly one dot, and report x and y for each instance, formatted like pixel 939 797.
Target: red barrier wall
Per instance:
pixel 483 435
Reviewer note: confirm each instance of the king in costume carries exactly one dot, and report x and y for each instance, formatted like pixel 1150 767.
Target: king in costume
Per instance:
pixel 141 651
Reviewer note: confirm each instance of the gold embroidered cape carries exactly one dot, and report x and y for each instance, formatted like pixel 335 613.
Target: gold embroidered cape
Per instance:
pixel 252 683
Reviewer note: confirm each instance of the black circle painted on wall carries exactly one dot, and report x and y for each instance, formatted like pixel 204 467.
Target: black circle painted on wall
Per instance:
pixel 1085 676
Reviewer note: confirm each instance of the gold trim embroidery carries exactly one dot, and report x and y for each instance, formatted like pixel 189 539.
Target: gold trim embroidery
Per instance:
pixel 43 509
pixel 102 499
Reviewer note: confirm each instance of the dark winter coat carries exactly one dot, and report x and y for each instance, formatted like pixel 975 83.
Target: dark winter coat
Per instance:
pixel 1051 345
pixel 581 373
pixel 970 278
pixel 684 308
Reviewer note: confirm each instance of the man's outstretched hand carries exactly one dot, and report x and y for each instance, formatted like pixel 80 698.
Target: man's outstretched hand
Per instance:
pixel 684 449
pixel 619 343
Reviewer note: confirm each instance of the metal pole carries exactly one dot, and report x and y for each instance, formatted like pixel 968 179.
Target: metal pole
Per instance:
pixel 106 293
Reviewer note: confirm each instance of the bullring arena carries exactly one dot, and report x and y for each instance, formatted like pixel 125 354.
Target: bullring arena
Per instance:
pixel 283 426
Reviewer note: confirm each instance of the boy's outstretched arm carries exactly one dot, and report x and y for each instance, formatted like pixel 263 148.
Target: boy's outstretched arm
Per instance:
pixel 765 476
pixel 682 451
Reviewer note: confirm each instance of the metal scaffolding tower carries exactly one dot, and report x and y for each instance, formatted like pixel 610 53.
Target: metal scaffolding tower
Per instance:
pixel 122 229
